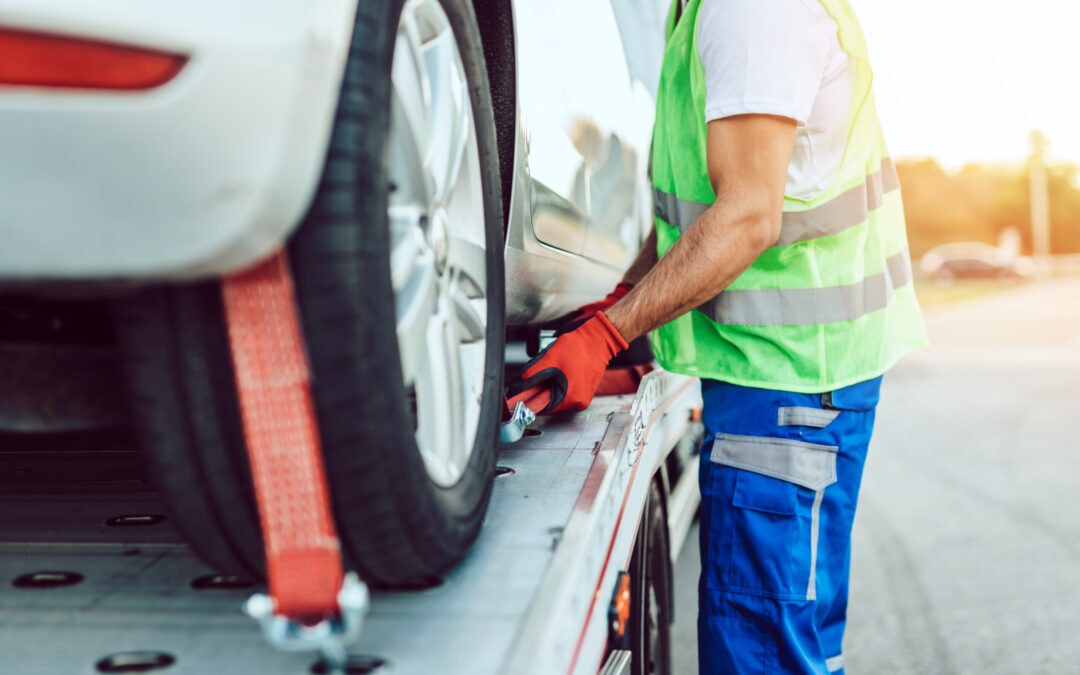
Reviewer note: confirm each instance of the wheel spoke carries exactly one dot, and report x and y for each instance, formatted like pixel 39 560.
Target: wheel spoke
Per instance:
pixel 450 117
pixel 407 173
pixel 468 265
pixel 407 242
pixel 412 98
pixel 472 357
pixel 470 310
pixel 439 398
pixel 415 304
pixel 469 259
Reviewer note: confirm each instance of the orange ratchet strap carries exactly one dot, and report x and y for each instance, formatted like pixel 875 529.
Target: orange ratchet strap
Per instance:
pixel 303 553
pixel 623 380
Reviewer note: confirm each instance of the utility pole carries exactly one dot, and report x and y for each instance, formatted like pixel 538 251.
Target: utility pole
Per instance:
pixel 1040 199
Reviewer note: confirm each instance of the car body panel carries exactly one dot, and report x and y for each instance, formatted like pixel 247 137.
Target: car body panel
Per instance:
pixel 588 128
pixel 204 174
pixel 544 282
pixel 582 201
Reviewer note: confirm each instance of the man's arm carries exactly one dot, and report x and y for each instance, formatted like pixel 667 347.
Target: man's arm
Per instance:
pixel 748 158
pixel 644 262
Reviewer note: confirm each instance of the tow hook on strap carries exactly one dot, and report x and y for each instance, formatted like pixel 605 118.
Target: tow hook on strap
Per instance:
pixel 512 430
pixel 329 636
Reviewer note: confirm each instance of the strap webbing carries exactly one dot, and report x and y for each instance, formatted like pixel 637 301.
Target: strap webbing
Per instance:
pixel 303 554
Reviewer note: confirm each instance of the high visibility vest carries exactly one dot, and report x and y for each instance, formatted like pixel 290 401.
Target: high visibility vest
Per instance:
pixel 832 303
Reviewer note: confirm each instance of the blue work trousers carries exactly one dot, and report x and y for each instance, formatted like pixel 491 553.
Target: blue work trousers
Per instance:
pixel 780 476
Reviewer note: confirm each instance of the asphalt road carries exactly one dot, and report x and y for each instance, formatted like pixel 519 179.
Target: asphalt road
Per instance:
pixel 967 541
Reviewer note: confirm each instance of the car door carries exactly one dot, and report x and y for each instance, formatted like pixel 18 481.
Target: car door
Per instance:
pixel 587 113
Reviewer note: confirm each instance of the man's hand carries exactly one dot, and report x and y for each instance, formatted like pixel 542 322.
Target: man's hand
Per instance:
pixel 571 368
pixel 575 319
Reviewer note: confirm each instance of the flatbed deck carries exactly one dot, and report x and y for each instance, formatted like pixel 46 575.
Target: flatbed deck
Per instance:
pixel 531 597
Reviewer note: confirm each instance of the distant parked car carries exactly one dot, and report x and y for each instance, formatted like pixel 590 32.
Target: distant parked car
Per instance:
pixel 971 259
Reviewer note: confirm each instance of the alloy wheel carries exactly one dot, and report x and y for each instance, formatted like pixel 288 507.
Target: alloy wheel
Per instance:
pixel 437 239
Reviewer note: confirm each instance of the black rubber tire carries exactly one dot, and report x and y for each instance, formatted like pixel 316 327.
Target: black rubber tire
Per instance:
pixel 396 524
pixel 397 527
pixel 650 569
pixel 184 405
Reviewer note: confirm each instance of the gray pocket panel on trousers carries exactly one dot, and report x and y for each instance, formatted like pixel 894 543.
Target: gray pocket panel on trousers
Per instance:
pixel 797 416
pixel 810 465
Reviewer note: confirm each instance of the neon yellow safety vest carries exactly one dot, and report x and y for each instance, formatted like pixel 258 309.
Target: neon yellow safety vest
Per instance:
pixel 832 303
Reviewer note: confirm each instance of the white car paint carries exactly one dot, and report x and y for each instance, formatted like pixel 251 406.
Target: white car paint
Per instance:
pixel 204 174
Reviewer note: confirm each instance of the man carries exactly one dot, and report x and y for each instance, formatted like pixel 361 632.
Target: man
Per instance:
pixel 778 272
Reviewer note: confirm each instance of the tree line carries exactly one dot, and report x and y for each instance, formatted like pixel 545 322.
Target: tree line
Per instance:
pixel 979 202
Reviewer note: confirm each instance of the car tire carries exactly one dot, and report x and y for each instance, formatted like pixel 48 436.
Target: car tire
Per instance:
pixel 652 604
pixel 398 526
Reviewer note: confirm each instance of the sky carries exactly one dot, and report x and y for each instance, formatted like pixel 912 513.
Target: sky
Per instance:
pixel 964 81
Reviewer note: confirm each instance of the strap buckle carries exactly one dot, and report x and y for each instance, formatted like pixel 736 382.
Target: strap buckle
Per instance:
pixel 329 636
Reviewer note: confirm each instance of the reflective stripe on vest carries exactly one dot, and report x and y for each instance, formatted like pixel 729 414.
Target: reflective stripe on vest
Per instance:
pixel 808 306
pixel 840 213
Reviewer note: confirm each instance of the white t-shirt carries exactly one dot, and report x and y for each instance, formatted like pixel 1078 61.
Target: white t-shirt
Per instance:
pixel 781 57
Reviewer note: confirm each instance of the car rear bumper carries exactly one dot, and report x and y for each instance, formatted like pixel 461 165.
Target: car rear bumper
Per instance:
pixel 202 175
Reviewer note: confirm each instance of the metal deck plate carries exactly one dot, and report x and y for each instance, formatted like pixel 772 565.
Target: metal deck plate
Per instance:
pixel 137 595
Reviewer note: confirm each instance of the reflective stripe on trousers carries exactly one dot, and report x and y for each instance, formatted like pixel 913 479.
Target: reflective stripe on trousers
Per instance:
pixel 778 499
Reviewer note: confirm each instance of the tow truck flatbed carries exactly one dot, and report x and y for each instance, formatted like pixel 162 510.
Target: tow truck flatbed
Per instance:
pixel 531 597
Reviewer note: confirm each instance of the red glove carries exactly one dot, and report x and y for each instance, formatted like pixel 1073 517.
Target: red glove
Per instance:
pixel 571 368
pixel 579 316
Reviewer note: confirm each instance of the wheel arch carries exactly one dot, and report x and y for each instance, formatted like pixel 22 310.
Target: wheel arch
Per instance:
pixel 497 33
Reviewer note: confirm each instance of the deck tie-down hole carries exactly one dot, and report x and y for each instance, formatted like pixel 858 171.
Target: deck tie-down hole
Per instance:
pixel 531 433
pixel 135 662
pixel 47 579
pixel 224 582
pixel 135 520
pixel 503 471
pixel 556 534
pixel 354 665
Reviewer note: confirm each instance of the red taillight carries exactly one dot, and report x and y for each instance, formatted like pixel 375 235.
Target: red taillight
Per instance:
pixel 40 60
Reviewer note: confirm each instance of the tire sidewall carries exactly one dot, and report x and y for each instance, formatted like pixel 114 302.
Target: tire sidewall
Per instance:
pixel 340 257
pixel 482 460
pixel 651 571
